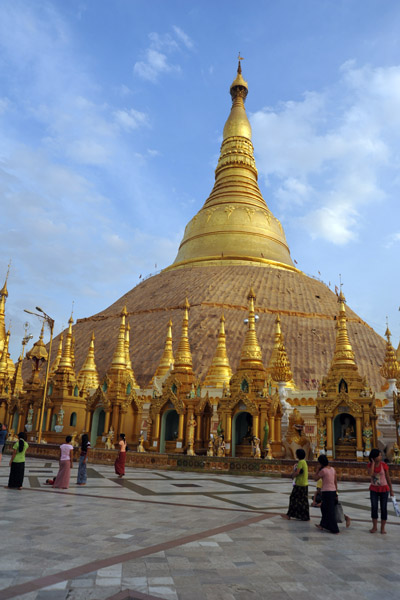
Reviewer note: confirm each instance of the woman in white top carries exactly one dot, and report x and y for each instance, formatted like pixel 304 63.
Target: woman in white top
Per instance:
pixel 66 463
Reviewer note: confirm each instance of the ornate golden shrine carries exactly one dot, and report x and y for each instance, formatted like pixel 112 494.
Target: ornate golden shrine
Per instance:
pixel 345 404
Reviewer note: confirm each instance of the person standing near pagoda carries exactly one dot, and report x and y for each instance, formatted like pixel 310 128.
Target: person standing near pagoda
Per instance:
pixel 379 489
pixel 120 461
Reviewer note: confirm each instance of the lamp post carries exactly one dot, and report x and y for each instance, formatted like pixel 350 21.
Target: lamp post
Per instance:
pixel 50 323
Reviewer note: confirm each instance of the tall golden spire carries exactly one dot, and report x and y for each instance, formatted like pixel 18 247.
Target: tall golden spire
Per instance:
pixel 235 226
pixel 17 383
pixel 220 372
pixel 38 354
pixel 4 356
pixel 343 355
pixel 281 368
pixel 66 363
pixel 119 359
pixel 251 356
pixel 3 297
pixel 88 377
pixel 275 347
pixel 56 361
pixel 129 367
pixel 167 358
pixel 183 358
pixel 390 368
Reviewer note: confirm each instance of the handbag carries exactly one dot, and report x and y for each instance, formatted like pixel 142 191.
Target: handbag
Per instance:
pixel 339 514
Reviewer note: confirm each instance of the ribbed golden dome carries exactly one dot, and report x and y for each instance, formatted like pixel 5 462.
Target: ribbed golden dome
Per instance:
pixel 235 225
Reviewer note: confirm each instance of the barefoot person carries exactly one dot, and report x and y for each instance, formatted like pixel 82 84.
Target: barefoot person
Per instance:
pixel 66 464
pixel 17 462
pixel 379 489
pixel 120 461
pixel 82 475
pixel 298 503
pixel 328 493
pixel 3 437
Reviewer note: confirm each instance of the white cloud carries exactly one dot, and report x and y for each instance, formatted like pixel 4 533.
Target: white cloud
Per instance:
pixel 130 118
pixel 329 151
pixel 156 59
pixel 183 37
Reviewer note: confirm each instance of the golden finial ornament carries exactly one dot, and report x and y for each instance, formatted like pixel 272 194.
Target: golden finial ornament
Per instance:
pixel 220 372
pixel 235 225
pixel 167 359
pixel 56 361
pixel 66 363
pixel 343 355
pixel 4 291
pixel 119 358
pixel 129 368
pixel 251 356
pixel 390 368
pixel 183 358
pixel 88 377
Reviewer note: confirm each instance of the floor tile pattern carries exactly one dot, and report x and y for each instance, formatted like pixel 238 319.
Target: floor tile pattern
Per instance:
pixel 184 536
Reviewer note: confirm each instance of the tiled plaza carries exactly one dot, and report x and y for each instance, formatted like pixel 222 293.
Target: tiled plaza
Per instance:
pixel 185 536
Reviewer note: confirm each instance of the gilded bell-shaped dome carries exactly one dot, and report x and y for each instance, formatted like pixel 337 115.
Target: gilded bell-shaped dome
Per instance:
pixel 235 225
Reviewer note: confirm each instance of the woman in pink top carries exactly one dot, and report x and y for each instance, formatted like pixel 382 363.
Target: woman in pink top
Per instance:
pixel 66 463
pixel 379 489
pixel 329 494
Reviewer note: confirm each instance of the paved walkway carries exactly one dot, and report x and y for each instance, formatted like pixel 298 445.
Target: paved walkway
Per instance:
pixel 184 536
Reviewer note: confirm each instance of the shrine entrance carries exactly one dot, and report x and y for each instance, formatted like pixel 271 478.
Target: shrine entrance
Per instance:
pixel 344 437
pixel 242 433
pixel 98 422
pixel 169 430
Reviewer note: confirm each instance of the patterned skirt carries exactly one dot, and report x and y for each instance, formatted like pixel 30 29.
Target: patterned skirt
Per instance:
pixel 63 475
pixel 82 475
pixel 120 464
pixel 298 503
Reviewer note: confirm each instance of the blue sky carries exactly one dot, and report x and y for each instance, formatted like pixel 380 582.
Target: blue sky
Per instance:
pixel 111 115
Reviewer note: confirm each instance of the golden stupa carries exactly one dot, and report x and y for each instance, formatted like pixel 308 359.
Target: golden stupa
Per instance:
pixel 233 244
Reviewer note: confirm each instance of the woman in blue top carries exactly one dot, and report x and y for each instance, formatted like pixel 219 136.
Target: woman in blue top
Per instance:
pixel 17 462
pixel 298 503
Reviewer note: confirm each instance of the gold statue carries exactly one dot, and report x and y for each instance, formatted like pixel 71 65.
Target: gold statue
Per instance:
pixel 367 438
pixel 396 454
pixel 210 449
pixel 11 436
pixel 321 436
pixel 221 446
pixel 192 424
pixel 255 445
pixel 75 442
pixel 140 447
pixel 109 439
pixel 190 451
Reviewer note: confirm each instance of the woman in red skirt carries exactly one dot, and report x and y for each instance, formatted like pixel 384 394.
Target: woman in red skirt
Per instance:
pixel 120 461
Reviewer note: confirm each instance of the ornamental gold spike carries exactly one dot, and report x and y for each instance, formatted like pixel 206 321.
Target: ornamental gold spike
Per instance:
pixel 119 359
pixel 220 372
pixel 281 369
pixel 183 358
pixel 251 356
pixel 167 359
pixel 57 359
pixel 66 363
pixel 129 367
pixel 390 368
pixel 343 355
pixel 235 225
pixel 88 377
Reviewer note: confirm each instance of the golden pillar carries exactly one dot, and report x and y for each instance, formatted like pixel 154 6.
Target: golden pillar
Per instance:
pixel 198 428
pixel 157 427
pixel 272 428
pixel 180 426
pixel 122 414
pixel 228 430
pixel 256 428
pixel 329 448
pixel 20 416
pixel 278 429
pixel 88 421
pixel 3 412
pixel 48 419
pixel 107 422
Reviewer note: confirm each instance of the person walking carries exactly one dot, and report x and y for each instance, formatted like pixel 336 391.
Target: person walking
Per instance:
pixel 3 438
pixel 328 493
pixel 66 464
pixel 119 464
pixel 82 475
pixel 379 489
pixel 17 462
pixel 298 503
